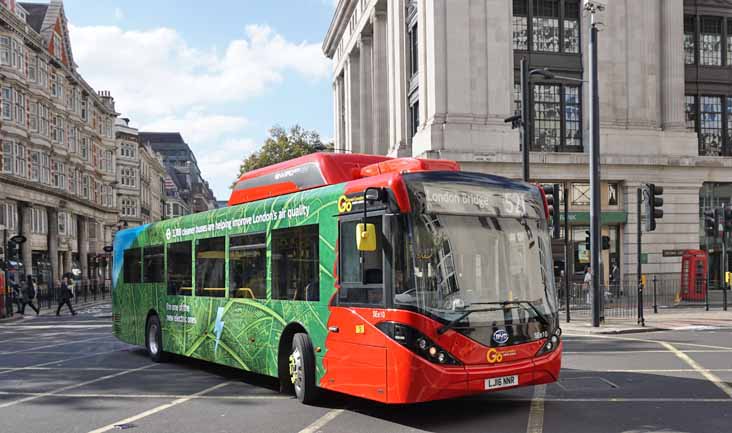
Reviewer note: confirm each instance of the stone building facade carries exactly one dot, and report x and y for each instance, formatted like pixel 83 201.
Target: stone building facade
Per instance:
pixel 140 178
pixel 57 145
pixel 437 78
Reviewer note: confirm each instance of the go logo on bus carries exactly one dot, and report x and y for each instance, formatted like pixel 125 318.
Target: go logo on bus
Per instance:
pixel 344 204
pixel 493 356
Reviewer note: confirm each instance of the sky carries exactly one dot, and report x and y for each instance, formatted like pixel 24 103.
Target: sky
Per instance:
pixel 222 73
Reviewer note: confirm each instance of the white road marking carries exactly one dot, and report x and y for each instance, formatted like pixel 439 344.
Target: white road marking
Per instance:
pixel 74 386
pixel 154 396
pixel 322 421
pixel 60 326
pixel 536 413
pixel 159 408
pixel 59 361
pixel 54 345
pixel 701 370
pixel 668 370
pixel 627 352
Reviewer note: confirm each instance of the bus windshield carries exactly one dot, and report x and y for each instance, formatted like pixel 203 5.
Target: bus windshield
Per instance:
pixel 479 248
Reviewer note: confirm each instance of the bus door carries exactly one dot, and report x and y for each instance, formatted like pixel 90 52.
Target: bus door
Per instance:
pixel 357 349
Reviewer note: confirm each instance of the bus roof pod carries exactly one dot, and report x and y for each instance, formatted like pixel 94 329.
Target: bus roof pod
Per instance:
pixel 322 169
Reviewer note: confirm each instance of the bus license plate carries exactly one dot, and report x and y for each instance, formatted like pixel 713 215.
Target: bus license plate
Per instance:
pixel 501 382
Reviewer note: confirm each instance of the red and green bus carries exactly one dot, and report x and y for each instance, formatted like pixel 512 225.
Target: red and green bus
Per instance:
pixel 399 280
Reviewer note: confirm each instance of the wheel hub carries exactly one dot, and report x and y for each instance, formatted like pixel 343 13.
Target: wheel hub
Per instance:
pixel 296 369
pixel 152 339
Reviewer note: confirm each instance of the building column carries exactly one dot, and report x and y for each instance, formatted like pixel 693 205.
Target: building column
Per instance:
pixel 365 46
pixel 380 102
pixel 397 77
pixel 353 130
pixel 68 263
pixel 337 134
pixel 82 234
pixel 52 215
pixel 26 225
pixel 672 67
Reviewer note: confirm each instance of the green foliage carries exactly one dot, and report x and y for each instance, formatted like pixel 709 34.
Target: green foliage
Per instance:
pixel 283 145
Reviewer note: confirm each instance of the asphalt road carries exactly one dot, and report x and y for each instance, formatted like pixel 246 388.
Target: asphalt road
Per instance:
pixel 69 374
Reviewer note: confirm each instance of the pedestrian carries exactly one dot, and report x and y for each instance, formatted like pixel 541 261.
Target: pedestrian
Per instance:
pixel 29 293
pixel 587 283
pixel 66 295
pixel 615 279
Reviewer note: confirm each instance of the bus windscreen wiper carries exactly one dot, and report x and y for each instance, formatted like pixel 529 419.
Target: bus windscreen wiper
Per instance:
pixel 505 304
pixel 449 325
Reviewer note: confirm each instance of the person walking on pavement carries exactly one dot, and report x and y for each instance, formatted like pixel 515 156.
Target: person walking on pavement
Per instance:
pixel 587 283
pixel 66 295
pixel 29 293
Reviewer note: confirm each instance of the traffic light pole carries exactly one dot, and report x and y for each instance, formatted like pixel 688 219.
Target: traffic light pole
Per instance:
pixel 566 249
pixel 641 319
pixel 525 116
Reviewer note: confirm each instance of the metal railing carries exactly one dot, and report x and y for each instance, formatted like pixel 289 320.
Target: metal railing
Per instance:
pixel 661 293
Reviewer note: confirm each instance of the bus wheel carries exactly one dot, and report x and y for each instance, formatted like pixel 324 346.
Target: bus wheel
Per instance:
pixel 154 339
pixel 302 369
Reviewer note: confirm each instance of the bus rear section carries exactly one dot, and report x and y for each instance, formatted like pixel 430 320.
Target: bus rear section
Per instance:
pixel 455 298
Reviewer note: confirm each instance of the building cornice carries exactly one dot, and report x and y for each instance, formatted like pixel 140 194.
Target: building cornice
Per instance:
pixel 338 26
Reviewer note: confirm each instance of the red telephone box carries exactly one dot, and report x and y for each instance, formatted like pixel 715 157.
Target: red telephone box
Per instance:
pixel 694 275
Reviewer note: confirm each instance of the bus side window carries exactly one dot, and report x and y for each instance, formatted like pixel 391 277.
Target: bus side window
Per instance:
pixel 211 267
pixel 247 266
pixel 180 280
pixel 152 264
pixel 360 285
pixel 132 266
pixel 296 263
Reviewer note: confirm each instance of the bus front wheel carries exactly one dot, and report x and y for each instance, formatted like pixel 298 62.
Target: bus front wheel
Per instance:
pixel 154 339
pixel 302 369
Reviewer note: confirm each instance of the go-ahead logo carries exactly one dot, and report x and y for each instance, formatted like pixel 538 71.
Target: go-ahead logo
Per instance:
pixel 500 336
pixel 493 356
pixel 344 204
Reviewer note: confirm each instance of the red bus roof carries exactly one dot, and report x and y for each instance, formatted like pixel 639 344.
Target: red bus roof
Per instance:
pixel 321 169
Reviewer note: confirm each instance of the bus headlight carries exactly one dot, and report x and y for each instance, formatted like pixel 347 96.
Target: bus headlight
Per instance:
pixel 550 345
pixel 417 342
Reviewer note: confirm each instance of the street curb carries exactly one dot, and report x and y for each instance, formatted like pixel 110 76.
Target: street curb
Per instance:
pixel 614 331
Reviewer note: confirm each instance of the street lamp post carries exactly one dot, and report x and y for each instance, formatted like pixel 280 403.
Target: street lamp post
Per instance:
pixel 593 7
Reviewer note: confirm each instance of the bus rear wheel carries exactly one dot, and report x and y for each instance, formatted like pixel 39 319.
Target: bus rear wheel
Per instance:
pixel 154 339
pixel 302 369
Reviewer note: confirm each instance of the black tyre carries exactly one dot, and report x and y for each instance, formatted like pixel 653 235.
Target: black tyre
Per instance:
pixel 302 369
pixel 154 339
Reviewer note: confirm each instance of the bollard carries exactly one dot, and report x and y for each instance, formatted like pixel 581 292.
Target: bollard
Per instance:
pixel 724 296
pixel 655 304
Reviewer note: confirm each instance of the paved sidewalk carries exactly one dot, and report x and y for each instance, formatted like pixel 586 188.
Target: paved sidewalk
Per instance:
pixel 671 319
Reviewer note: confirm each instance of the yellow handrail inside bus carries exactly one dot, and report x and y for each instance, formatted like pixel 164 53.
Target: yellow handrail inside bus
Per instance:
pixel 245 290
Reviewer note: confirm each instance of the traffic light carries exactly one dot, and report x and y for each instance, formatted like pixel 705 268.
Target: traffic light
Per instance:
pixel 711 222
pixel 606 242
pixel 728 218
pixel 551 192
pixel 654 205
pixel 12 251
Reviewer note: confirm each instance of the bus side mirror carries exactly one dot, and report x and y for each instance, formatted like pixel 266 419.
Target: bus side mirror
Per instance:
pixel 366 237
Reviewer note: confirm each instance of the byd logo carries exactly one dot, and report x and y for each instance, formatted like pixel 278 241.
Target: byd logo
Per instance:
pixel 500 336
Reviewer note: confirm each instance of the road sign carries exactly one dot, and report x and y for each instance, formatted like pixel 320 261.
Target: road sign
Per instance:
pixel 673 253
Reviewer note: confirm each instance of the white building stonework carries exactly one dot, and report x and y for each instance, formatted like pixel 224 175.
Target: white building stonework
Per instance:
pixel 437 78
pixel 57 146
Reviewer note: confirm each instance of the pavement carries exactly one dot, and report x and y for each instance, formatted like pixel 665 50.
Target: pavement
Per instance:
pixel 83 305
pixel 666 319
pixel 69 374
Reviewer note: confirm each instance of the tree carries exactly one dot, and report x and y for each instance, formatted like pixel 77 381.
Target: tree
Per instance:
pixel 283 145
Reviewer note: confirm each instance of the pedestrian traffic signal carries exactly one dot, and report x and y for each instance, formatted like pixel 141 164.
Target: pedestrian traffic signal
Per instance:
pixel 551 192
pixel 606 242
pixel 711 222
pixel 654 205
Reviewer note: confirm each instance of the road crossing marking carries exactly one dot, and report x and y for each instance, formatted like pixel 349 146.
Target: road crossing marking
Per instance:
pixel 322 421
pixel 74 386
pixel 536 413
pixel 701 370
pixel 59 361
pixel 159 408
pixel 152 396
pixel 54 345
